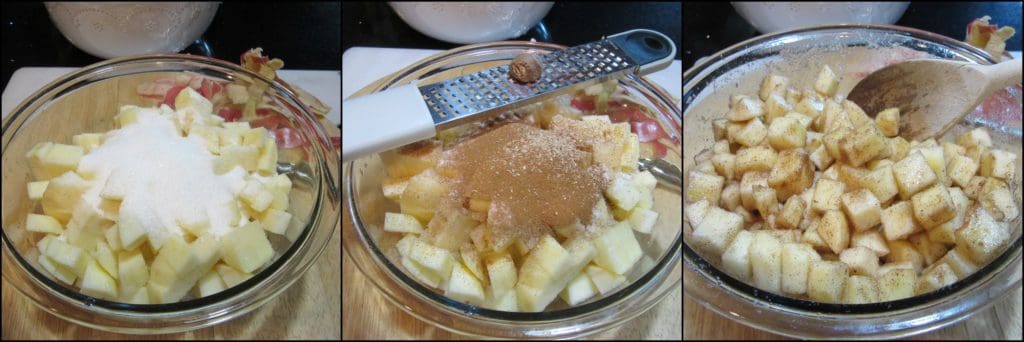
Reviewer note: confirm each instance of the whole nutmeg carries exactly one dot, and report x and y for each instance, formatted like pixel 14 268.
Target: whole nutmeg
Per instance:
pixel 525 68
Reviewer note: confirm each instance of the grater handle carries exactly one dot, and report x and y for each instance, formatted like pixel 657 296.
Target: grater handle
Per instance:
pixel 651 50
pixel 382 121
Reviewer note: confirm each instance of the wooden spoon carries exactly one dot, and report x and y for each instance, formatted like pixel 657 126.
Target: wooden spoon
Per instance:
pixel 932 94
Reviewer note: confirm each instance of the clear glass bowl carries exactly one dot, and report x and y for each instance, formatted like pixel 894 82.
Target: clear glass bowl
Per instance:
pixel 86 101
pixel 372 250
pixel 852 51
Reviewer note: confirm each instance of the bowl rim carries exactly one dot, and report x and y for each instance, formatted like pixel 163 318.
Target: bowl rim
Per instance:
pixel 660 269
pixel 324 189
pixel 701 268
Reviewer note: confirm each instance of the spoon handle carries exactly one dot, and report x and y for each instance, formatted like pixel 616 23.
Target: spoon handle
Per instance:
pixel 1004 74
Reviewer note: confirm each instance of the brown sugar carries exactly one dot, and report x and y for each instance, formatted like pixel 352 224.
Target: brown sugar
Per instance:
pixel 535 179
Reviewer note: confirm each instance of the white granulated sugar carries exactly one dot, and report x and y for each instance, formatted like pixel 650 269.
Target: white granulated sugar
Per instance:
pixel 167 177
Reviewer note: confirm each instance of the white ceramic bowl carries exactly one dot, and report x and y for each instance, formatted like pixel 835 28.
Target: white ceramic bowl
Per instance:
pixel 472 22
pixel 768 17
pixel 110 30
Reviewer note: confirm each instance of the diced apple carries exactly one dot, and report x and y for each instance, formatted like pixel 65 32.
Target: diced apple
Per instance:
pixel 860 290
pixel 393 188
pixel 36 190
pixel 862 208
pixel 871 240
pixel 745 108
pixel 826 281
pixel 772 84
pixel 624 195
pixel 757 158
pixel 736 260
pixel 881 183
pixel 436 260
pixel 106 259
pixel 898 221
pixel 463 286
pixel 961 169
pixel 502 273
pixel 247 248
pixel 933 206
pixel 236 155
pixel 98 283
pixel 982 236
pixel 402 223
pixel 862 261
pixel 256 195
pixel 888 122
pixel 796 262
pixel 43 224
pixel 903 251
pixel 71 257
pixel 604 280
pixel 827 195
pixel 276 221
pixel 913 174
pixel 421 196
pixel 1000 204
pixel 210 283
pixel 958 261
pixel 62 195
pixel 130 230
pixel 642 220
pixel 48 160
pixel 834 230
pixel 716 230
pixel 998 163
pixel 766 262
pixel 579 289
pixel 60 272
pixel 232 276
pixel 935 278
pixel 897 284
pixel 791 174
pixel 132 272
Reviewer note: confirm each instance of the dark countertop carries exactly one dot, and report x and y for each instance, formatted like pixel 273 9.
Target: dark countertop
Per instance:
pixel 714 26
pixel 375 24
pixel 304 35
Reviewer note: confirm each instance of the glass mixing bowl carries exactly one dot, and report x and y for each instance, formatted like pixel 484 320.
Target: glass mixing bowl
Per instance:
pixel 86 100
pixel 372 250
pixel 852 51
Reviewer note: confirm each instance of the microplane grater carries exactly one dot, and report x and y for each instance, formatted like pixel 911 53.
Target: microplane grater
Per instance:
pixel 409 113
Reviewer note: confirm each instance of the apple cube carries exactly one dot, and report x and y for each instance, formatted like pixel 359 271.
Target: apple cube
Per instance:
pixel 826 280
pixel 421 196
pixel 796 262
pixel 812 237
pixel 725 164
pixel 772 84
pixel 791 174
pixel 897 284
pixel 232 276
pixel 36 190
pixel 757 158
pixel 834 231
pixel 871 240
pixel 982 236
pixel 860 290
pixel 862 208
pixel 913 174
pixel 827 82
pixel 43 224
pixel 745 108
pixel 888 122
pixel 463 286
pixel 247 248
pixel 935 278
pixel 48 160
pixel 975 137
pixel 898 221
pixel 775 106
pixel 642 220
pixel 881 183
pixel 617 248
pixel 62 194
pixel 998 163
pixel 604 280
pixel 862 261
pixel 87 141
pixel 402 223
pixel 958 261
pixel 765 200
pixel 786 133
pixel 210 283
pixel 931 251
pixel 579 289
pixel 393 188
pixel 132 272
pixel 791 214
pixel 450 229
pixel 828 195
pixel 821 158
pixel 892 266
pixel 130 230
pixel 717 229
pixel 961 169
pixel 63 254
pixel 256 195
pixel 862 145
pixel 934 155
pixel 736 260
pixel 276 221
pixel 502 273
pixel 766 262
pixel 1000 204
pixel 903 251
pixel 236 155
pixel 747 184
pixel 624 195
pixel 933 206
pixel 98 283
pixel 60 272
pixel 106 259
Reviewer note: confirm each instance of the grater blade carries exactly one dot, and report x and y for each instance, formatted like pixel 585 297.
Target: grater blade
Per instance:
pixel 489 92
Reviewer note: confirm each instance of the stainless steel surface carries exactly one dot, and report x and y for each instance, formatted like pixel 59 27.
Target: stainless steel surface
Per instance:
pixel 666 173
pixel 471 97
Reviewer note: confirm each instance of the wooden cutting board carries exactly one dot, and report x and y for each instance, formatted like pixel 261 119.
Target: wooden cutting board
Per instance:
pixel 309 309
pixel 1001 321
